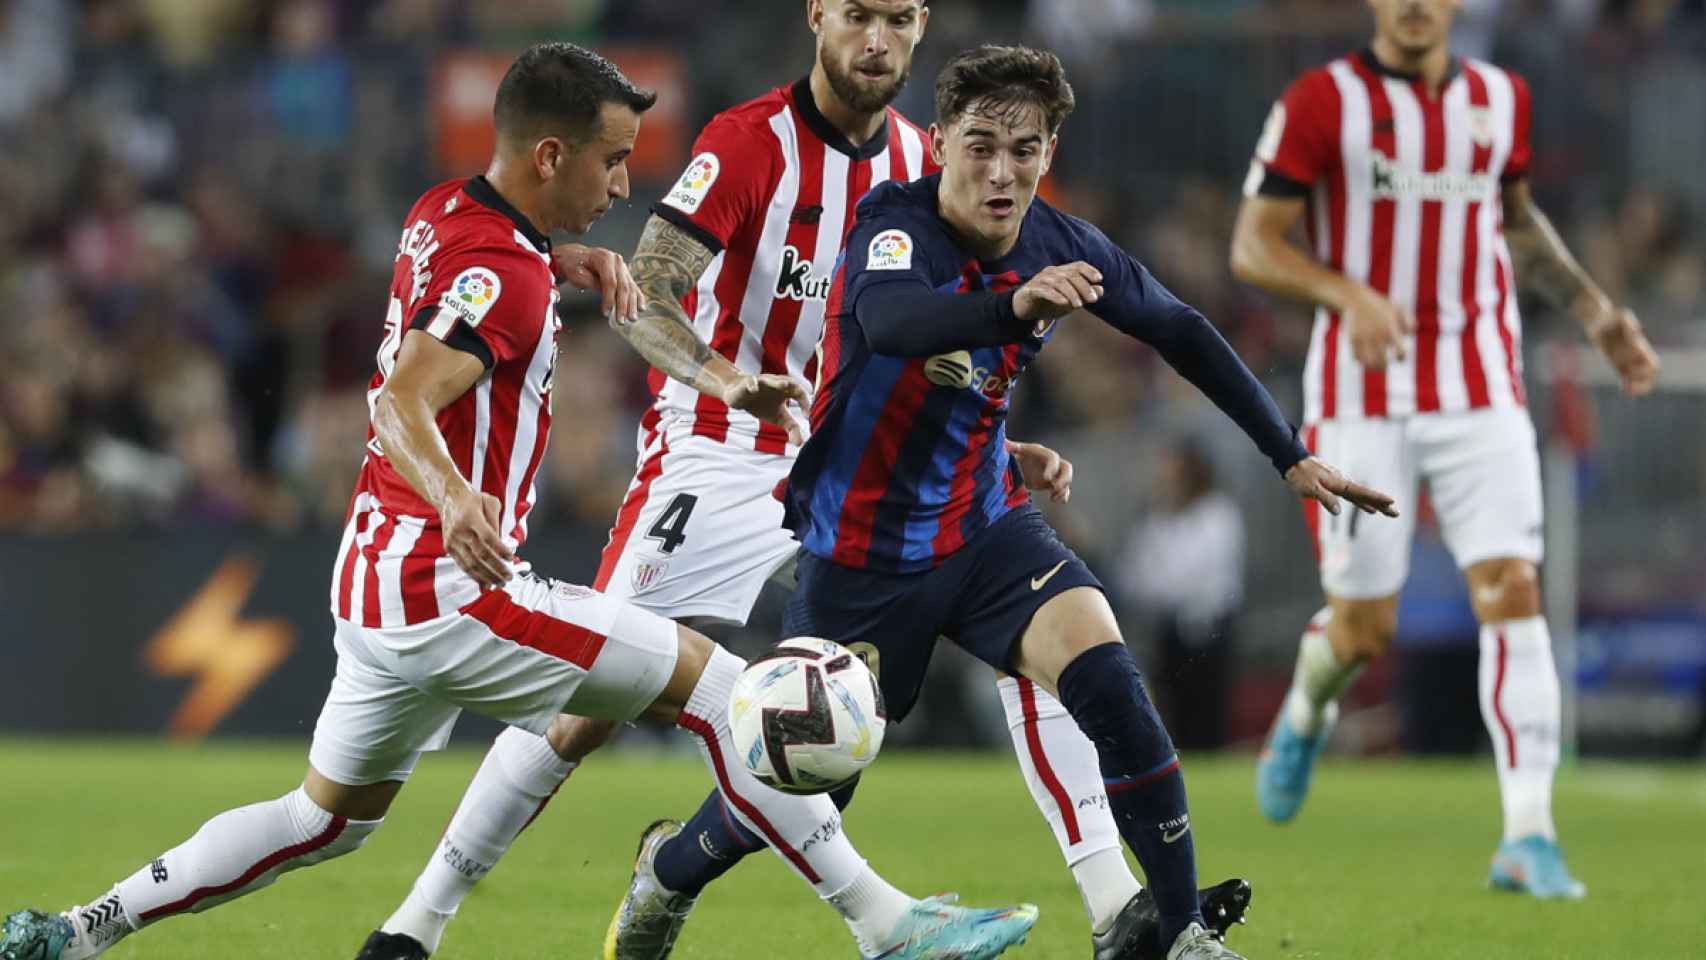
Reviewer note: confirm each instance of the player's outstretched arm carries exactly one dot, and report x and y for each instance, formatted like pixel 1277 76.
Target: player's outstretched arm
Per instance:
pixel 668 264
pixel 428 377
pixel 1264 255
pixel 1318 480
pixel 1545 267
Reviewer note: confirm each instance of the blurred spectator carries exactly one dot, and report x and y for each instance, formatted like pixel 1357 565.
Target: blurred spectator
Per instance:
pixel 1184 566
pixel 35 55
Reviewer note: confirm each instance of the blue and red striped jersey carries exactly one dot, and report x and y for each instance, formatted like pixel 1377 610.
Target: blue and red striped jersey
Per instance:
pixel 908 459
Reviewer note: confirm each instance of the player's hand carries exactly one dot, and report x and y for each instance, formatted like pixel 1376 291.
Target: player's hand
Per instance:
pixel 1377 327
pixel 1043 469
pixel 603 271
pixel 470 522
pixel 769 397
pixel 1057 291
pixel 1618 334
pixel 1315 479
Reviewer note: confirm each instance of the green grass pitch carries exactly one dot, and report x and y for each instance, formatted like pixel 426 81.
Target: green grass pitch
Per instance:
pixel 1388 861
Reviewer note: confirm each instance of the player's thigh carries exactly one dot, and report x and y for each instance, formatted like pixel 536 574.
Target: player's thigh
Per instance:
pixel 1005 577
pixel 1483 473
pixel 538 648
pixel 890 621
pixel 1064 628
pixel 374 724
pixel 1363 556
pixel 703 536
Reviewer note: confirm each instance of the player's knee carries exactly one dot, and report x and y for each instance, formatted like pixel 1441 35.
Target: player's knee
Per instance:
pixel 1361 630
pixel 693 653
pixel 574 738
pixel 345 837
pixel 1504 589
pixel 1104 692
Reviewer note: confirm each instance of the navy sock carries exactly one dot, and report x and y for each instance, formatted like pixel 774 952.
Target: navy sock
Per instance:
pixel 1146 791
pixel 710 844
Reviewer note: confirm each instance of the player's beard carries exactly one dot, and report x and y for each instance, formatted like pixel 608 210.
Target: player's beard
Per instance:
pixel 850 91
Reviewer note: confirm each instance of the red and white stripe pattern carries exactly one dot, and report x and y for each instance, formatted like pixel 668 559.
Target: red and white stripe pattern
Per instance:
pixel 1412 208
pixel 392 569
pixel 742 306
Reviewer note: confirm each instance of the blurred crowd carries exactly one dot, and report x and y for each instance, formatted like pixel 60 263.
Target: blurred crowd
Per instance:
pixel 200 199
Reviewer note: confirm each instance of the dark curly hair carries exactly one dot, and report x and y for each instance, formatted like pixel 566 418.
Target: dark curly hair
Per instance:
pixel 1003 81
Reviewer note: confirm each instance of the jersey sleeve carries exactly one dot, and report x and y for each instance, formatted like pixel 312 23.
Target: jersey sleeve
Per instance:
pixel 888 244
pixel 486 301
pixel 1299 143
pixel 1522 120
pixel 724 186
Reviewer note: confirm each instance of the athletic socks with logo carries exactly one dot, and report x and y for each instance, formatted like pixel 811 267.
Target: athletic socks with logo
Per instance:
pixel 1062 770
pixel 806 830
pixel 234 854
pixel 1520 703
pixel 1318 680
pixel 1104 692
pixel 519 776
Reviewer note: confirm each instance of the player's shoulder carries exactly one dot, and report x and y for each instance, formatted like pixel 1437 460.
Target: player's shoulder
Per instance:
pixel 891 199
pixel 1065 235
pixel 902 122
pixel 1492 72
pixel 1318 84
pixel 747 124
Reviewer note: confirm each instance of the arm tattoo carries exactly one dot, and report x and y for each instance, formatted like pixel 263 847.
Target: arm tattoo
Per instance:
pixel 666 265
pixel 1542 262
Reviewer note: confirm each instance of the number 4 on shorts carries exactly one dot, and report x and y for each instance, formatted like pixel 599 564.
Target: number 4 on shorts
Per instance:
pixel 671 526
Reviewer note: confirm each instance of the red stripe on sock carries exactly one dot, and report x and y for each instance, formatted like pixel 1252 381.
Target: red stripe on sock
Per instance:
pixel 333 830
pixel 1147 778
pixel 704 731
pixel 1498 704
pixel 1045 772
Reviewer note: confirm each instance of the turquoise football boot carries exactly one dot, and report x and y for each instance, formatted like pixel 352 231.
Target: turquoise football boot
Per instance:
pixel 1533 865
pixel 33 935
pixel 1287 764
pixel 936 929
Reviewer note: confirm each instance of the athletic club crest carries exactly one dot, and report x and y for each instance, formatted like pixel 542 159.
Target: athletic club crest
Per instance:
pixel 647 572
pixel 1481 126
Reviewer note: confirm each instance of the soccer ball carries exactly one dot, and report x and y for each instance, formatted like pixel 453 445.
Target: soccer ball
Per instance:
pixel 807 717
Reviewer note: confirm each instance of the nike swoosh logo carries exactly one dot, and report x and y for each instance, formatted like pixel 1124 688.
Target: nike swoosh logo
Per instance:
pixel 1174 837
pixel 1037 583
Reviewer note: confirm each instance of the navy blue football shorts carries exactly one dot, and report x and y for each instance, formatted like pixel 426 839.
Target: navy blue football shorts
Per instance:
pixel 982 599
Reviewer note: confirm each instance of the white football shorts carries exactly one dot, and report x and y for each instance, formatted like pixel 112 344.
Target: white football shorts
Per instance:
pixel 1483 477
pixel 522 655
pixel 700 531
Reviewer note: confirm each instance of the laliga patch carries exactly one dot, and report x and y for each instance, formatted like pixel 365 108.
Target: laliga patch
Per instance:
pixel 472 294
pixel 890 250
pixel 689 192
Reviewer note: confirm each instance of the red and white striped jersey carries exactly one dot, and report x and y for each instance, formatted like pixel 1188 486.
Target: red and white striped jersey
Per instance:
pixel 1403 194
pixel 771 190
pixel 473 272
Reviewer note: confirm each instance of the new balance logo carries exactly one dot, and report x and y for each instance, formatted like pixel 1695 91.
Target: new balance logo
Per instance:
pixel 157 870
pixel 807 215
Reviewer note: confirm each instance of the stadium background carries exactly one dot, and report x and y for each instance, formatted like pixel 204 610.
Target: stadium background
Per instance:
pixel 199 204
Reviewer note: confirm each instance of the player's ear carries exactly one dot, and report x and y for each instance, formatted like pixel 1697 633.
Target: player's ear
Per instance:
pixel 923 20
pixel 814 14
pixel 938 144
pixel 548 155
pixel 1048 152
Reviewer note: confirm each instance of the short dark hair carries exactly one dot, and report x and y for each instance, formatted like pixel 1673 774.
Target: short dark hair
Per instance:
pixel 559 89
pixel 1004 78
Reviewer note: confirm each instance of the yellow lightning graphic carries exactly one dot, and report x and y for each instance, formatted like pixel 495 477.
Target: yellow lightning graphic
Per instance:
pixel 228 655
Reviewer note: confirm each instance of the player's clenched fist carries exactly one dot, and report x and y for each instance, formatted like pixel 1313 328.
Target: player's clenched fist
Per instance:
pixel 1316 479
pixel 470 522
pixel 1057 291
pixel 1377 327
pixel 768 397
pixel 1619 336
pixel 603 271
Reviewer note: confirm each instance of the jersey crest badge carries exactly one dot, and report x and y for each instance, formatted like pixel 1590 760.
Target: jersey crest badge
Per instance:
pixel 890 250
pixel 647 572
pixel 690 191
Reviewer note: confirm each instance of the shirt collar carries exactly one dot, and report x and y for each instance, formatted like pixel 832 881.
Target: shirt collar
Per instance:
pixel 819 124
pixel 1372 62
pixel 483 193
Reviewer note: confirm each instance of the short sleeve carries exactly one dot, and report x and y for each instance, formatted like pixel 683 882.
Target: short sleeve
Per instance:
pixel 1522 118
pixel 1299 142
pixel 725 185
pixel 487 301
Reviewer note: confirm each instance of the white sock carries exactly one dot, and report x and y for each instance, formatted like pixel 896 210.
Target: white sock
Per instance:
pixel 805 831
pixel 1319 678
pixel 519 775
pixel 1520 704
pixel 234 854
pixel 1065 778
